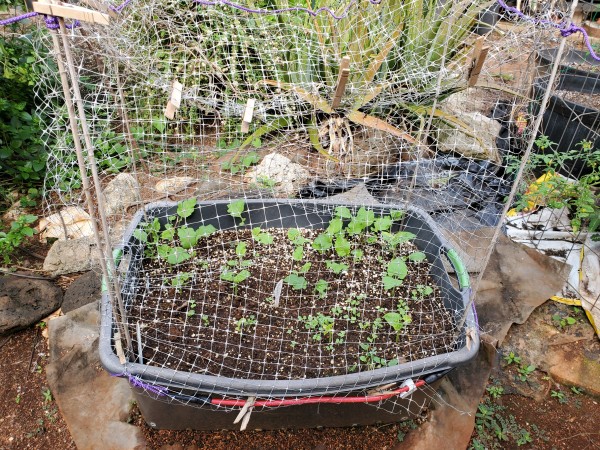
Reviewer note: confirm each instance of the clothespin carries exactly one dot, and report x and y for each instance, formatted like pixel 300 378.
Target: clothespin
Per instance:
pixel 248 113
pixel 174 101
pixel 479 54
pixel 119 348
pixel 343 75
pixel 68 11
pixel 244 414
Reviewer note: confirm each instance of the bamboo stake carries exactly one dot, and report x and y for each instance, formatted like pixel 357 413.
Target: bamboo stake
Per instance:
pixel 343 75
pixel 114 291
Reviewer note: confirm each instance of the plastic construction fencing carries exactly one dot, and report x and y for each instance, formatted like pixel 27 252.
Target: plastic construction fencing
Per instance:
pixel 261 112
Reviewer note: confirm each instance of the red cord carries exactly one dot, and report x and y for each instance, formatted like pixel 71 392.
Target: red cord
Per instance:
pixel 309 400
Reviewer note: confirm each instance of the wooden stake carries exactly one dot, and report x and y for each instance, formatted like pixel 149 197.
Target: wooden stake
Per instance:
pixel 174 101
pixel 68 11
pixel 341 83
pixel 102 7
pixel 248 113
pixel 479 54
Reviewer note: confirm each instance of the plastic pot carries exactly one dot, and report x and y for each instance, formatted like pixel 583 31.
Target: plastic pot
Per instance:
pixel 487 19
pixel 571 59
pixel 172 399
pixel 567 123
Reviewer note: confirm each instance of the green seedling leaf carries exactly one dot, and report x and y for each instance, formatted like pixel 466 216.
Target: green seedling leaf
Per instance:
pixel 382 223
pixel 397 321
pixel 187 237
pixel 394 239
pixel 186 208
pixel 305 268
pixel 205 231
pixel 342 246
pixel 236 208
pixel 293 233
pixel 252 157
pixel 177 255
pixel 298 254
pixel 140 235
pixel 397 268
pixel 396 214
pixel 321 287
pixel 335 226
pixel 240 249
pixel 336 268
pixel 417 256
pixel 241 276
pixel 322 242
pixel 296 282
pixel 343 212
pixel 391 283
pixel 164 251
pixel 261 237
pixel 169 233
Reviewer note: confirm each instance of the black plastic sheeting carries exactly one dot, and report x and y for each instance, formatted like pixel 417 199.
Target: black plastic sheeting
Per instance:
pixel 458 192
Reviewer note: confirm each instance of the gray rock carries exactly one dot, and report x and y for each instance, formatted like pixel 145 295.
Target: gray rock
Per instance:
pixel 86 289
pixel 25 301
pixel 94 404
pixel 211 188
pixel 77 255
pixel 122 191
pixel 174 185
pixel 287 176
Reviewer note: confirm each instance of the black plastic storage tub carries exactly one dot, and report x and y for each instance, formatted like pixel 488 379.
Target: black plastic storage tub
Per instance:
pixel 567 123
pixel 172 399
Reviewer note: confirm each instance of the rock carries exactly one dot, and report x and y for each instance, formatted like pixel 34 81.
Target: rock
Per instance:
pixel 287 176
pixel 73 219
pixel 122 191
pixel 86 289
pixel 76 255
pixel 476 141
pixel 173 185
pixel 478 138
pixel 25 301
pixel 94 404
pixel 210 188
pixel 13 213
pixel 358 195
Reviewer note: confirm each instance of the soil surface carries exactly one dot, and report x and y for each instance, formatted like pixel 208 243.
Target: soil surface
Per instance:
pixel 30 417
pixel 589 100
pixel 216 326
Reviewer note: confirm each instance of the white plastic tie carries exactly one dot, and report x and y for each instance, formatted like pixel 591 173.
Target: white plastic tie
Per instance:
pixel 410 384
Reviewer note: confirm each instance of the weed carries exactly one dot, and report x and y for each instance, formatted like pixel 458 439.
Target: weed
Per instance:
pixel 19 230
pixel 242 165
pixel 576 390
pixel 512 358
pixel 562 322
pixel 236 208
pixel 244 322
pixel 495 391
pixel 525 371
pixel 560 396
pixel 18 398
pixel 47 395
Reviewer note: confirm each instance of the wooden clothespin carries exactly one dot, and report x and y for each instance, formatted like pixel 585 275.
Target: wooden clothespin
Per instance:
pixel 343 75
pixel 248 113
pixel 479 54
pixel 245 412
pixel 68 11
pixel 174 100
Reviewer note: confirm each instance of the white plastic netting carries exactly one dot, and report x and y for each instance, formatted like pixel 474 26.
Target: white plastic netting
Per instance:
pixel 202 107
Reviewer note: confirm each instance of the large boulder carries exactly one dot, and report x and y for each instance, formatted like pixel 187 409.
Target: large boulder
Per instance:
pixel 26 301
pixel 77 255
pixel 121 192
pixel 86 289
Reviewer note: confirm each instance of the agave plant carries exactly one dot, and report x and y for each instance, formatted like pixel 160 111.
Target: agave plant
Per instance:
pixel 399 52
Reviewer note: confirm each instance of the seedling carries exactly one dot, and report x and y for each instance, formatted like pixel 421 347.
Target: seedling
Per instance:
pixel 240 167
pixel 47 395
pixel 396 272
pixel 335 267
pixel 244 322
pixel 576 391
pixel 420 292
pixel 562 322
pixel 186 208
pixel 512 358
pixel 179 280
pixel 560 396
pixel 235 277
pixel 296 280
pixel 373 361
pixel 322 242
pixel 321 288
pixel 236 208
pixel 191 308
pixel 398 320
pixel 495 391
pixel 262 237
pixel 525 371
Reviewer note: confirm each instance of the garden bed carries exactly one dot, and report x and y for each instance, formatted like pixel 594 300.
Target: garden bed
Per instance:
pixel 277 296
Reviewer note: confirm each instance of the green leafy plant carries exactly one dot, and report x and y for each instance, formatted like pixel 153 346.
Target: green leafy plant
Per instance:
pixel 191 308
pixel 560 396
pixel 562 322
pixel 336 267
pixel 236 208
pixel 525 370
pixel 495 391
pixel 372 360
pixel 512 358
pixel 235 277
pixel 47 395
pixel 262 237
pixel 321 287
pixel 186 208
pixel 180 279
pixel 398 320
pixel 397 270
pixel 242 165
pixel 420 292
pixel 17 233
pixel 244 323
pixel 296 280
